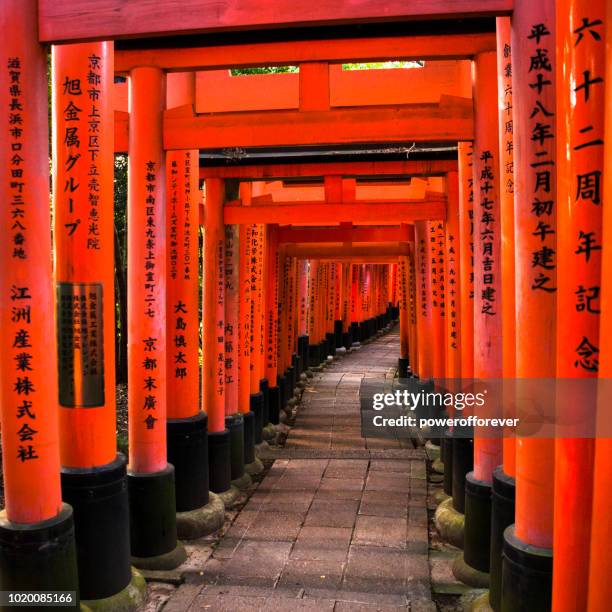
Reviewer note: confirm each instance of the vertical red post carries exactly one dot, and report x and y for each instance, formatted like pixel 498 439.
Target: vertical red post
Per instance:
pixel 466 256
pixel 150 477
pixel 404 313
pixel 28 387
pixel 271 323
pixel 453 282
pixel 436 235
pixel 83 172
pixel 187 423
pixel 487 305
pixel 502 499
pixel 580 86
pixel 147 273
pixel 600 585
pixel 213 349
pixel 423 301
pixel 535 236
pixel 182 284
pixel 232 318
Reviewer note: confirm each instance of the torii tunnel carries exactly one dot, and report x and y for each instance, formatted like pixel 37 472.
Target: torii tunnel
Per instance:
pixel 306 306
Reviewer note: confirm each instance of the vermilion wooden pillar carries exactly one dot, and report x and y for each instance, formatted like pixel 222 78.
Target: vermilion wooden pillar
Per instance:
pixel 187 437
pixel 412 326
pixel 436 235
pixel 256 267
pixel 302 312
pixel 581 102
pixel 234 417
pixel 404 313
pixel 346 306
pixel 600 586
pixel 150 477
pixel 244 342
pixel 85 300
pixel 338 325
pixel 528 543
pixel 502 499
pixel 283 329
pixel 487 307
pixel 182 285
pixel 506 195
pixel 28 387
pixel 462 453
pixel 466 256
pixel 314 350
pixel 213 340
pixel 291 332
pixel 271 323
pixel 453 332
pixel 354 302
pixel 232 318
pixel 423 301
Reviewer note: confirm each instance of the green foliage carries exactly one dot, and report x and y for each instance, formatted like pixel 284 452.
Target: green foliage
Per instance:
pixel 264 70
pixel 120 185
pixel 358 66
pixel 382 65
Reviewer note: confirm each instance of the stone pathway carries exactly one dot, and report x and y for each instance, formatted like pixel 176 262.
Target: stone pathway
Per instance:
pixel 338 523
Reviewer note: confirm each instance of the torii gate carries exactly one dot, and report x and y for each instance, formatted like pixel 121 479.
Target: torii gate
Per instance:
pixel 29 278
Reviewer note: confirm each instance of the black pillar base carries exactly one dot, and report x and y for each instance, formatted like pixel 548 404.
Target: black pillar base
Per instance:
pixel 448 462
pixel 296 372
pixel 403 367
pixel 363 331
pixel 477 534
pixel 463 462
pixel 303 351
pixel 249 437
pixel 41 557
pixel 330 340
pixel 152 513
pixel 282 389
pixel 502 516
pixel 526 576
pixel 275 405
pixel 264 387
pixel 290 373
pixel 219 460
pixel 355 332
pixel 235 427
pixel 347 340
pixel 187 445
pixel 257 407
pixel 338 328
pixel 314 355
pixel 102 544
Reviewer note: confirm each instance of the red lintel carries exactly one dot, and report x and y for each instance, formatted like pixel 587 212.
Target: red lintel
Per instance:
pixel 77 20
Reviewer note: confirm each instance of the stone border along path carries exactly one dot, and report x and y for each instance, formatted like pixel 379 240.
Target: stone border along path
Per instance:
pixel 338 523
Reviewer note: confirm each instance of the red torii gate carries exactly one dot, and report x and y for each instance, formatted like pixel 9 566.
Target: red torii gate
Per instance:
pixel 81 20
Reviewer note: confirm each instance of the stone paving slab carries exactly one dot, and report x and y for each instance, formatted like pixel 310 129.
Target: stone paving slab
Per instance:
pixel 339 522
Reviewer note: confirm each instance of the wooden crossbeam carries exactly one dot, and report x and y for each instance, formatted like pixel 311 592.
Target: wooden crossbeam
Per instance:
pixel 310 170
pixel 449 121
pixel 77 20
pixel 306 251
pixel 302 235
pixel 404 48
pixel 314 213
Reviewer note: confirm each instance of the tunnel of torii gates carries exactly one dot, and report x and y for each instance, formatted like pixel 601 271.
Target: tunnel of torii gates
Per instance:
pixel 486 256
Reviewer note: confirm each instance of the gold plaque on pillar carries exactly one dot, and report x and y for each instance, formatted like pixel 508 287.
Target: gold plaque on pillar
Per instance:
pixel 80 344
